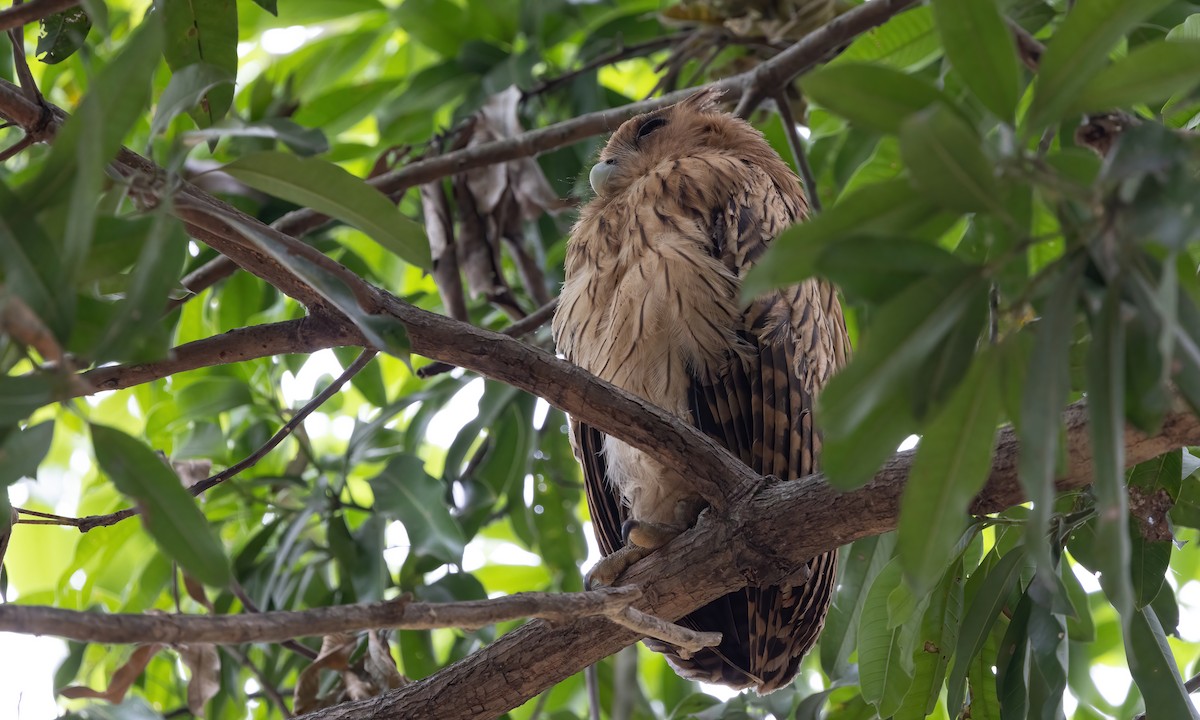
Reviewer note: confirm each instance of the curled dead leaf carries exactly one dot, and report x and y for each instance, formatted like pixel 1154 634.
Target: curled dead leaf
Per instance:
pixel 121 680
pixel 204 663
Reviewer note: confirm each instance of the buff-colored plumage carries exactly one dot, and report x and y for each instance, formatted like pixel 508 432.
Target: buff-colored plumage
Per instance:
pixel 688 198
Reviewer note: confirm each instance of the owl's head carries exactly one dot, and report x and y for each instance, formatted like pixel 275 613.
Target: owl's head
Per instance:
pixel 695 126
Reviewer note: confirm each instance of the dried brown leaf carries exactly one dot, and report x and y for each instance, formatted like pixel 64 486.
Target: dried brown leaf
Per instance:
pixel 205 665
pixel 121 680
pixel 334 655
pixel 380 664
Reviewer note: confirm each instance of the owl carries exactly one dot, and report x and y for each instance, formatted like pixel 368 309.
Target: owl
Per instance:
pixel 687 200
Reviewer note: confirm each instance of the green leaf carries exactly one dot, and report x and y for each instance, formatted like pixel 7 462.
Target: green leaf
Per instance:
pixel 980 617
pixel 404 490
pixel 952 464
pixel 1154 669
pixel 875 269
pixel 884 208
pixel 210 396
pixel 1078 50
pixel 1106 424
pixel 980 47
pixel 893 347
pixel 935 643
pixel 62 34
pixel 1013 681
pixel 859 565
pixel 204 31
pixel 985 703
pixel 328 189
pixel 908 41
pixel 185 91
pixel 1150 73
pixel 21 451
pixel 168 512
pixel 872 96
pixel 1148 562
pixel 885 654
pixel 944 156
pixel 1046 385
pixel 20 396
pixel 1047 663
pixel 116 98
pixel 1080 625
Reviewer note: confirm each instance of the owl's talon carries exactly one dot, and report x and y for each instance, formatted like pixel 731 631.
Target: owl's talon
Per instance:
pixel 649 534
pixel 606 572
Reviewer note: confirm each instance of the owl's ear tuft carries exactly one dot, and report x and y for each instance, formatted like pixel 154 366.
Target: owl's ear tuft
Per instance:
pixel 704 101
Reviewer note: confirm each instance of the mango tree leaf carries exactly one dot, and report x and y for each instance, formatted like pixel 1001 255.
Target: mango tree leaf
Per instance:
pixel 115 100
pixel 1150 73
pixel 980 47
pixel 871 96
pixel 168 512
pixel 860 565
pixel 1013 680
pixel 898 340
pixel 981 616
pixel 1047 662
pixel 204 31
pixel 21 451
pixel 981 676
pixel 32 267
pixel 1078 50
pixel 952 463
pixel 1046 385
pixel 1148 562
pixel 403 490
pixel 935 643
pixel 885 208
pixel 908 41
pixel 1154 669
pixel 875 268
pixel 300 140
pixel 885 653
pixel 20 396
pixel 1106 424
pixel 328 189
pixel 1080 625
pixel 62 34
pixel 185 91
pixel 944 156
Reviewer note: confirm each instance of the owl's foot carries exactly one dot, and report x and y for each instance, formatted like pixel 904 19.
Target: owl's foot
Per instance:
pixel 649 534
pixel 611 567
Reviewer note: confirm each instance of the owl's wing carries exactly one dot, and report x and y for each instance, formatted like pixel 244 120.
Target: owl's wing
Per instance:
pixel 760 408
pixel 608 514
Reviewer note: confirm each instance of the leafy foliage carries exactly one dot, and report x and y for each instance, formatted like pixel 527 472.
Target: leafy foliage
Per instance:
pixel 997 259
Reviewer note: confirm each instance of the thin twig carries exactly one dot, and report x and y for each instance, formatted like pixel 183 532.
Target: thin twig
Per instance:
pixel 285 625
pixel 31 12
pixel 252 607
pixel 94 521
pixel 797 145
pixel 622 52
pixel 268 688
pixel 687 640
pixel 520 328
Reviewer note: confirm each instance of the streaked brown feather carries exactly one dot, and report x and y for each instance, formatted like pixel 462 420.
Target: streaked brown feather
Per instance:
pixel 676 233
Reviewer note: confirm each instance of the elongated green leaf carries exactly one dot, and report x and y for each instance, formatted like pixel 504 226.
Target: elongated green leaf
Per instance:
pixel 852 459
pixel 877 268
pixel 908 41
pixel 1150 73
pixel 1148 562
pixel 1080 625
pixel 895 344
pixel 168 512
pixel 32 269
pixel 1154 670
pixel 887 207
pixel 20 396
pixel 329 189
pixel 1106 424
pixel 981 49
pixel 952 463
pixel 1078 51
pixel 885 654
pixel 1046 385
pixel 985 703
pixel 91 137
pixel 23 450
pixel 404 490
pixel 938 634
pixel 946 161
pixel 1047 663
pixel 859 565
pixel 204 31
pixel 1013 681
pixel 980 617
pixel 185 91
pixel 872 96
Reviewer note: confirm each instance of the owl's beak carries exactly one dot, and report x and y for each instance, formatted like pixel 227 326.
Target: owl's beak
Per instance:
pixel 600 175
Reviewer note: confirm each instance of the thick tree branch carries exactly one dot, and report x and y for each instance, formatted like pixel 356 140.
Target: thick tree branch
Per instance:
pixel 277 626
pixel 32 11
pixel 761 540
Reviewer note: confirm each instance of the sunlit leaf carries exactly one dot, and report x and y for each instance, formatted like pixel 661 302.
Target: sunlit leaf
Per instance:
pixel 980 47
pixel 204 31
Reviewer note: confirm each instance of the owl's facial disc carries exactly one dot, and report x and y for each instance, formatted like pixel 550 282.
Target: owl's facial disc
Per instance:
pixel 601 174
